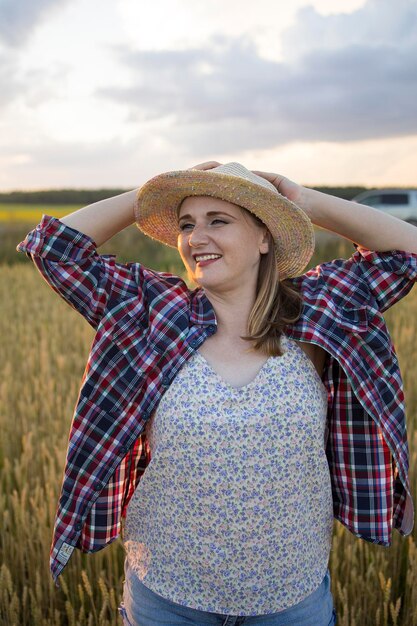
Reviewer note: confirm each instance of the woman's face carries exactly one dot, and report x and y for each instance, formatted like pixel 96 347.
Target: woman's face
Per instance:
pixel 220 243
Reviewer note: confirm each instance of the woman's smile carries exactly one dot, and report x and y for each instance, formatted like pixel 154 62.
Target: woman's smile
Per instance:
pixel 206 259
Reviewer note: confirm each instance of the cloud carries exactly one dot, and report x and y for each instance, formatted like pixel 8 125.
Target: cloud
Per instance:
pixel 10 86
pixel 344 77
pixel 29 88
pixel 109 163
pixel 18 19
pixel 376 23
pixel 193 84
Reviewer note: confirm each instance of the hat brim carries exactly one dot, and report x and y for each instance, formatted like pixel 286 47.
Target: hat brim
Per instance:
pixel 158 200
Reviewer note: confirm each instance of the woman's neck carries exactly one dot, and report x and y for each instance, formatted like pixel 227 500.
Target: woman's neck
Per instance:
pixel 232 313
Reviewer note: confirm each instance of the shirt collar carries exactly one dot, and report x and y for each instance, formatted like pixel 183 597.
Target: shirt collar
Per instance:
pixel 202 311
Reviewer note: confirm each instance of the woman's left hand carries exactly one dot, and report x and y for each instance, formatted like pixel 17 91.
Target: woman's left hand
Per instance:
pixel 288 188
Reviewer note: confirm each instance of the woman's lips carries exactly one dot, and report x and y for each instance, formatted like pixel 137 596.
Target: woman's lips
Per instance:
pixel 204 263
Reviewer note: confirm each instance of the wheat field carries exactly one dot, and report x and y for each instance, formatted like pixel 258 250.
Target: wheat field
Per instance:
pixel 15 213
pixel 45 345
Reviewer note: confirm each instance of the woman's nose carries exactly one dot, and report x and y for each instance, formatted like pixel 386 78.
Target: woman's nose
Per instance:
pixel 198 236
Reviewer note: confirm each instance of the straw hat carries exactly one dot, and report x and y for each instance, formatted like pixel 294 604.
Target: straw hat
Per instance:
pixel 158 200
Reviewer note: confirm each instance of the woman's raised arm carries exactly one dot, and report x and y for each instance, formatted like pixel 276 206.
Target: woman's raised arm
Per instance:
pixel 364 225
pixel 105 218
pixel 65 253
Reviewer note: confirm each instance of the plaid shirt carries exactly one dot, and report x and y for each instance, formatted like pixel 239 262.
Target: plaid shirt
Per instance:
pixel 149 323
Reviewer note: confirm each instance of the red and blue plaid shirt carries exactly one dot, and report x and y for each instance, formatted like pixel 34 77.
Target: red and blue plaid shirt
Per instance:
pixel 149 323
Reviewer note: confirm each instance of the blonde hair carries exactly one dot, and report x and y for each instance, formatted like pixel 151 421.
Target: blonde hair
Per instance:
pixel 277 304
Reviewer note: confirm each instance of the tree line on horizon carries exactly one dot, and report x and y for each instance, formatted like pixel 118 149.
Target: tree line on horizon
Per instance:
pixel 88 196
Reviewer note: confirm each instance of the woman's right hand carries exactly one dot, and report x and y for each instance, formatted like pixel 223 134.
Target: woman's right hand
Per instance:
pixel 288 188
pixel 285 186
pixel 207 165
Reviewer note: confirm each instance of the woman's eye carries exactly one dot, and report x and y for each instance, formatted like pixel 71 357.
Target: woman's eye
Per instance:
pixel 184 226
pixel 189 225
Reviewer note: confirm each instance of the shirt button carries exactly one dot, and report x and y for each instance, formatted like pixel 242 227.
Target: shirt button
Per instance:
pixel 98 486
pixel 211 329
pixel 194 343
pixel 78 526
pixel 124 449
pixel 166 382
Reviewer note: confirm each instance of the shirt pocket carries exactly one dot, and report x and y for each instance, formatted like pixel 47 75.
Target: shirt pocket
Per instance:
pixel 139 340
pixel 130 331
pixel 350 318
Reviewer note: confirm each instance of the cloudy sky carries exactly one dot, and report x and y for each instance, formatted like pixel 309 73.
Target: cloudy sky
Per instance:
pixel 104 93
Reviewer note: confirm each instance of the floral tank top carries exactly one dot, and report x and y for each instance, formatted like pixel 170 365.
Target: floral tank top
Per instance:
pixel 233 513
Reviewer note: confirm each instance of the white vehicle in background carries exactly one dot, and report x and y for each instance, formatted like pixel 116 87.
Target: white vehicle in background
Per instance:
pixel 401 203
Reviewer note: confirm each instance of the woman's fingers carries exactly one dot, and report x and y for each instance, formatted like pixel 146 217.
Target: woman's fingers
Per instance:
pixel 284 186
pixel 207 165
pixel 275 179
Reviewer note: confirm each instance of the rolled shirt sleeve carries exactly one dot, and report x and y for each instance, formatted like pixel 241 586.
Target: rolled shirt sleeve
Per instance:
pixel 390 275
pixel 68 261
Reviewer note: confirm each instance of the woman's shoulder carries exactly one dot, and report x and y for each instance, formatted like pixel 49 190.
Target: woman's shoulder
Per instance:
pixel 316 354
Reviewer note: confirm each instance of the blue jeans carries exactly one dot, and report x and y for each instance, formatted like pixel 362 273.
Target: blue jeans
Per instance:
pixel 143 607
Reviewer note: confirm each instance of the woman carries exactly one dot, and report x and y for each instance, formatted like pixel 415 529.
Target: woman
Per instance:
pixel 268 400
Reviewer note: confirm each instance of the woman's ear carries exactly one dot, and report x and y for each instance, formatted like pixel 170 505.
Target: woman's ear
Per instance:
pixel 266 241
